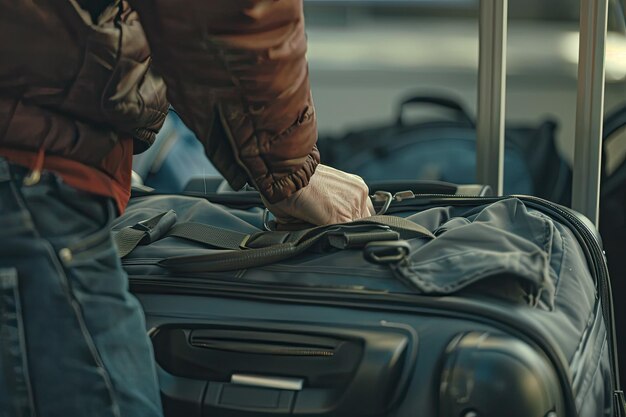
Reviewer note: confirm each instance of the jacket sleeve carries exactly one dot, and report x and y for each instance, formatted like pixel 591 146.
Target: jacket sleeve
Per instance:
pixel 237 74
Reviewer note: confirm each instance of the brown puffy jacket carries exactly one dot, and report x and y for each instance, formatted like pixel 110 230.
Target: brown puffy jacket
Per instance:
pixel 75 75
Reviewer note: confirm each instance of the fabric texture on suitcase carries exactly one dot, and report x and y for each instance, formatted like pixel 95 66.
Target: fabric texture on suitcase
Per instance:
pixel 501 255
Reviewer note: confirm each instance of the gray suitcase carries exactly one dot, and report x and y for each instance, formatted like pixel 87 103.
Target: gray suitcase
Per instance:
pixel 492 310
pixel 450 305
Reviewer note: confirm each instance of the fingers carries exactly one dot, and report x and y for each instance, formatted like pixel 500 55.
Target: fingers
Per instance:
pixel 370 207
pixel 347 196
pixel 332 196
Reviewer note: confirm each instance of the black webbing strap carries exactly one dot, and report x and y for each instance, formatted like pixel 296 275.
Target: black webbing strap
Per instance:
pixel 145 231
pixel 127 240
pixel 209 235
pixel 262 248
pixel 294 244
pixel 162 225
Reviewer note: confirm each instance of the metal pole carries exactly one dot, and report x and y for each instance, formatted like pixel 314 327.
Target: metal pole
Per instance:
pixel 491 93
pixel 590 108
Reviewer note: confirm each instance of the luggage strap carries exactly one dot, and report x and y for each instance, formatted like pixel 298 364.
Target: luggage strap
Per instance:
pixel 262 248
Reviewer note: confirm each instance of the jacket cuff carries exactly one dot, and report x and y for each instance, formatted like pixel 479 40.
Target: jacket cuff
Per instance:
pixel 276 190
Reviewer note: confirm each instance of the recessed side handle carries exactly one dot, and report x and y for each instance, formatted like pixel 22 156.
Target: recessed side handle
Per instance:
pixel 276 369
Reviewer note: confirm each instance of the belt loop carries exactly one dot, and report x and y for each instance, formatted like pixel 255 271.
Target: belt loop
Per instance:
pixel 5 171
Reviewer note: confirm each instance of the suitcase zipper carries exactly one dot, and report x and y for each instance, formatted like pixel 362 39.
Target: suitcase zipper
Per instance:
pixel 602 276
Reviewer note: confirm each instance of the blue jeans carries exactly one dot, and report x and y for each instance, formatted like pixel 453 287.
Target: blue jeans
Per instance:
pixel 72 338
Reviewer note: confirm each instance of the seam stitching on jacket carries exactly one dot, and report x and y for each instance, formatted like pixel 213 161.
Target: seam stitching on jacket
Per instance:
pixel 151 81
pixel 118 55
pixel 307 116
pixel 244 103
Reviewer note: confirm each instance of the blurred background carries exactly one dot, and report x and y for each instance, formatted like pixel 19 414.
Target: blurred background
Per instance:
pixel 365 55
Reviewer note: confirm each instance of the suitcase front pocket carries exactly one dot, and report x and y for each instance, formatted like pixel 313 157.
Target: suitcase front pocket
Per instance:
pixel 504 251
pixel 455 273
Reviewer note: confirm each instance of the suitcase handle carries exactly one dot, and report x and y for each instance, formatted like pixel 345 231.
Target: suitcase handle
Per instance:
pixel 246 370
pixel 461 115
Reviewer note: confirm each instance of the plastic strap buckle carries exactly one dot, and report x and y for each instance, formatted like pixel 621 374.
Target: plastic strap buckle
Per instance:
pixel 155 227
pixel 387 252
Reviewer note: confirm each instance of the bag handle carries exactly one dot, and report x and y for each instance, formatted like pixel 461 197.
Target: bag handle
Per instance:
pixel 461 115
pixel 263 248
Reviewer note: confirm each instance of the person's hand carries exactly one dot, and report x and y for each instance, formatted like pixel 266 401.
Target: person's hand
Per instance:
pixel 332 196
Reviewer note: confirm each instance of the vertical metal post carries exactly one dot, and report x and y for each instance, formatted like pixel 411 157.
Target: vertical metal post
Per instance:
pixel 590 108
pixel 491 93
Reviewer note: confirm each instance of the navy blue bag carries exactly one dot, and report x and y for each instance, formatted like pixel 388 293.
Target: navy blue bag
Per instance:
pixel 174 159
pixel 445 150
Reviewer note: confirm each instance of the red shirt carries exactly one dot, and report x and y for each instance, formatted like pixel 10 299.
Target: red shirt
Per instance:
pixel 112 181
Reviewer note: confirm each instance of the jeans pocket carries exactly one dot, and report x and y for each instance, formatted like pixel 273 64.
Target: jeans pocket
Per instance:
pixel 114 322
pixel 62 213
pixel 15 390
pixel 94 267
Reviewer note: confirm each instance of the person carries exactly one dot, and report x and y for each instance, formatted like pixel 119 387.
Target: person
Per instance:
pixel 83 85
